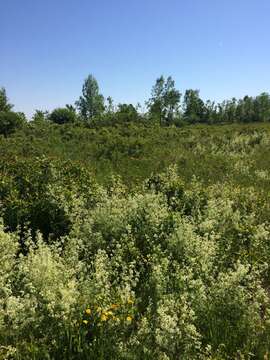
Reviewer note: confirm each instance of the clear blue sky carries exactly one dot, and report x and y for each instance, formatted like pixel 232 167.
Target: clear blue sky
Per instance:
pixel 48 47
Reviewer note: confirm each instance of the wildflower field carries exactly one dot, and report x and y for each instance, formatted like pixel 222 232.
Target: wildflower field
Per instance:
pixel 135 243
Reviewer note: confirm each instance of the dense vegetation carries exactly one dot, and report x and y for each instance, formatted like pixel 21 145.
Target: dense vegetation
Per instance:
pixel 133 240
pixel 165 107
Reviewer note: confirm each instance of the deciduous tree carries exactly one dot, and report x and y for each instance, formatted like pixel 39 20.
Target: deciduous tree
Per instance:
pixel 91 103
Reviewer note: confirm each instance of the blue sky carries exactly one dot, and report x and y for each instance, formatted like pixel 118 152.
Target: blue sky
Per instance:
pixel 48 47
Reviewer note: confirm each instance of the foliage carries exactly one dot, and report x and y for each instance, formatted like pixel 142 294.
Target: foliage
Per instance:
pixel 165 100
pixel 40 116
pixel 194 108
pixel 4 104
pixel 137 241
pixel 40 193
pixel 166 272
pixel 126 113
pixel 91 103
pixel 237 153
pixel 10 122
pixel 62 116
pixel 164 108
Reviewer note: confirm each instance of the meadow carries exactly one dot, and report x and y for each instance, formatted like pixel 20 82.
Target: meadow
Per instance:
pixel 135 241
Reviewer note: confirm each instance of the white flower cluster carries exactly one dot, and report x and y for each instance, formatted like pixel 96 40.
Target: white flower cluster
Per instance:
pixel 187 265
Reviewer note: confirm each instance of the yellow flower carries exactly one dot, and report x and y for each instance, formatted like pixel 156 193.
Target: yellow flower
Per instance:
pixel 114 306
pixel 85 322
pixel 104 317
pixel 109 313
pixel 129 318
pixel 88 311
pixel 99 309
pixel 130 301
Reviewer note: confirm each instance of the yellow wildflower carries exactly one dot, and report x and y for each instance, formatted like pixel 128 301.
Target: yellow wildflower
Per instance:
pixel 130 301
pixel 104 317
pixel 85 322
pixel 129 318
pixel 88 311
pixel 114 306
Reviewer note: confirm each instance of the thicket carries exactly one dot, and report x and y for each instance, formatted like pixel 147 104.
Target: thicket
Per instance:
pixel 124 239
pixel 163 272
pixel 173 264
pixel 234 152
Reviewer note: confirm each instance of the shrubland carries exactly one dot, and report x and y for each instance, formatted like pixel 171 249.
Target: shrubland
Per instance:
pixel 131 235
pixel 134 242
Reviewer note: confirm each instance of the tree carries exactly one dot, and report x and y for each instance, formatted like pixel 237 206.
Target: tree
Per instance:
pixel 229 111
pixel 126 113
pixel 210 112
pixel 109 106
pixel 262 106
pixel 62 116
pixel 10 122
pixel 4 104
pixel 194 108
pixel 246 110
pixel 71 108
pixel 91 103
pixel 40 116
pixel 164 101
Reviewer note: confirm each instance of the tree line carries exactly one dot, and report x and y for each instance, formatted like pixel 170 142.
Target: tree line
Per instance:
pixel 166 106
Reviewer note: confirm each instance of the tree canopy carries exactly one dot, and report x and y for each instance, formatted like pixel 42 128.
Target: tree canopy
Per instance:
pixel 164 101
pixel 165 107
pixel 62 116
pixel 91 103
pixel 4 103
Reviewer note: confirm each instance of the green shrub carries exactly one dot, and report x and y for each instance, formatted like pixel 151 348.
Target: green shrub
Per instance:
pixel 44 195
pixel 10 122
pixel 62 116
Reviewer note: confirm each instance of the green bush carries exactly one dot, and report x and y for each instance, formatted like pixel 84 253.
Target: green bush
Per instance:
pixel 62 116
pixel 10 122
pixel 41 194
